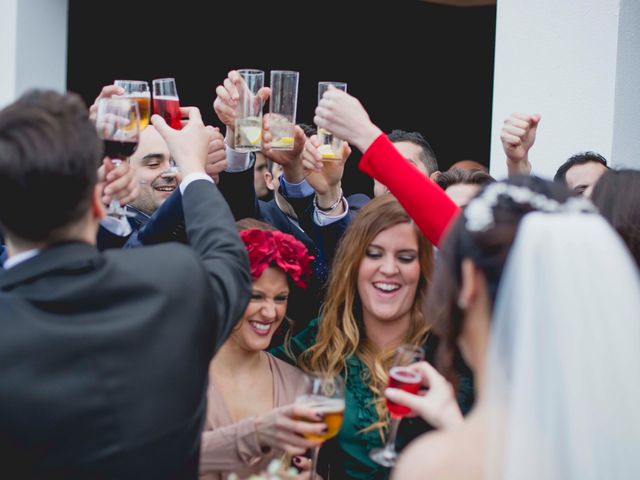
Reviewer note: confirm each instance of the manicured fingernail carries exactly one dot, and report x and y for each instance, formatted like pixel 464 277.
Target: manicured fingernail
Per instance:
pixel 319 416
pixel 297 460
pixel 325 429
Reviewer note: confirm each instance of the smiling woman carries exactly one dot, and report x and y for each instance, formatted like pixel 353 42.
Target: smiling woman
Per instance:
pixel 250 392
pixel 375 292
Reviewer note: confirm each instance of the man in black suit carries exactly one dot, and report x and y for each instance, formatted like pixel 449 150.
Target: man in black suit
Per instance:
pixel 104 356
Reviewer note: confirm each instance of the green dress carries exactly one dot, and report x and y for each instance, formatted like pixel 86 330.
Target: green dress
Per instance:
pixel 347 455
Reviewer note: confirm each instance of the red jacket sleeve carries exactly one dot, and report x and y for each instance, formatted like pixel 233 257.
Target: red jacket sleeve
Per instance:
pixel 424 200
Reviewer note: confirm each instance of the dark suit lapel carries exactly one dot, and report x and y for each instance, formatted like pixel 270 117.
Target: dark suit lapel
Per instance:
pixel 66 257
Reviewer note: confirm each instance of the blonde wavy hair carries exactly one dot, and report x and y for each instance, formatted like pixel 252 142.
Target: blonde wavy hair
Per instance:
pixel 341 331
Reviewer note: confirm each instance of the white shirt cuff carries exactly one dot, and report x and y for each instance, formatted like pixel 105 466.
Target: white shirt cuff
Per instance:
pixel 117 225
pixel 322 219
pixel 191 177
pixel 296 190
pixel 237 161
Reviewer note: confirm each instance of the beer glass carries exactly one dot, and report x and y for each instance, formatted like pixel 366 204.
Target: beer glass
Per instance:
pixel 330 146
pixel 282 108
pixel 403 378
pixel 118 125
pixel 166 102
pixel 325 394
pixel 138 90
pixel 248 123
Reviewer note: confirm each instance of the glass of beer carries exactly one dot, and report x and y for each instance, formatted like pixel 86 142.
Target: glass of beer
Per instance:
pixel 118 125
pixel 248 123
pixel 326 394
pixel 403 378
pixel 166 102
pixel 330 146
pixel 138 90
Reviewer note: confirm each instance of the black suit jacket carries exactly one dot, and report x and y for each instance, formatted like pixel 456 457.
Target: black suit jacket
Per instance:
pixel 104 356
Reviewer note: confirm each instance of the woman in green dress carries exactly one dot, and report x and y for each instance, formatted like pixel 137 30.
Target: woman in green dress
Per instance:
pixel 373 304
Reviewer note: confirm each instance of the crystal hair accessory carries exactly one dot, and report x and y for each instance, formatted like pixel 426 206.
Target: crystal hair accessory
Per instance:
pixel 276 249
pixel 478 214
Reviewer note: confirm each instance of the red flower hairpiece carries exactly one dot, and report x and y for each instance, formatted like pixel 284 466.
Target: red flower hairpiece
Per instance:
pixel 276 249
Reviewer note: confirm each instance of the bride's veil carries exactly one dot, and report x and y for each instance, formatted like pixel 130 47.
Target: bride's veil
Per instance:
pixel 563 377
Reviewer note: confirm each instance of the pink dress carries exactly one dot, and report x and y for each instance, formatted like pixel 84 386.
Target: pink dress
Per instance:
pixel 232 447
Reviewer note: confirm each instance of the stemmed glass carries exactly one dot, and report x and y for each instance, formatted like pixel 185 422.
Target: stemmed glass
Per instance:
pixel 118 125
pixel 403 378
pixel 138 90
pixel 325 394
pixel 166 102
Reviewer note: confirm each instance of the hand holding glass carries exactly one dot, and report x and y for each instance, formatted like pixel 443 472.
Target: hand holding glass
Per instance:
pixel 325 394
pixel 118 125
pixel 404 379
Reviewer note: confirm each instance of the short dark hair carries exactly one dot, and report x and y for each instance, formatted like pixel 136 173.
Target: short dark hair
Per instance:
pixel 49 155
pixel 427 155
pixel 307 129
pixel 577 159
pixel 617 196
pixel 453 176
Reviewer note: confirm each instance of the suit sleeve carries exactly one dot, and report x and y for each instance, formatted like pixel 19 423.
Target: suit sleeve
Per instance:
pixel 165 225
pixel 428 205
pixel 212 234
pixel 239 191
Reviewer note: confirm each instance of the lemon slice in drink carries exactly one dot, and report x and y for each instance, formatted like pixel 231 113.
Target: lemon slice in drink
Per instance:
pixel 283 142
pixel 252 134
pixel 327 152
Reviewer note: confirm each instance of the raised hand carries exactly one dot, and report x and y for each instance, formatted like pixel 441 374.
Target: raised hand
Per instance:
pixel 323 176
pixel 290 160
pixel 227 98
pixel 119 182
pixel 216 155
pixel 518 135
pixel 437 405
pixel 189 146
pixel 107 91
pixel 345 117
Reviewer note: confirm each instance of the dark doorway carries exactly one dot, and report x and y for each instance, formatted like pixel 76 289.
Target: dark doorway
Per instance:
pixel 414 65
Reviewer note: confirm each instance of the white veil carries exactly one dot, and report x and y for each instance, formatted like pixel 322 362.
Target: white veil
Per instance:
pixel 563 377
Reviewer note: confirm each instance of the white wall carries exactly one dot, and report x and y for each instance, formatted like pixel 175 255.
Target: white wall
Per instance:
pixel 33 46
pixel 574 63
pixel 626 124
pixel 8 34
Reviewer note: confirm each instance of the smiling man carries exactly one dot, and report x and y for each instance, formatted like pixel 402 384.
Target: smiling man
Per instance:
pixel 415 148
pixel 152 168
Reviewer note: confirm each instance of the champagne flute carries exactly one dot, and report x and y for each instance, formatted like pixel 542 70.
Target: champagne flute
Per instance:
pixel 403 378
pixel 118 125
pixel 138 90
pixel 166 102
pixel 325 394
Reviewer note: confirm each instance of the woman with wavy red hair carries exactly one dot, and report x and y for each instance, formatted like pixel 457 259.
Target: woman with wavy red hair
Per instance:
pixel 250 417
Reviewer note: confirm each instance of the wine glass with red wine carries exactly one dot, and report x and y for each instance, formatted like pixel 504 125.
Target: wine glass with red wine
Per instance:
pixel 403 378
pixel 118 125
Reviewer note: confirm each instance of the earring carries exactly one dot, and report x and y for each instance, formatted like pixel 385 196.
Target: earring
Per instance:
pixel 462 305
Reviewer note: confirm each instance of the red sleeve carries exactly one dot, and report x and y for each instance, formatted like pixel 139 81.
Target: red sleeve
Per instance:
pixel 424 200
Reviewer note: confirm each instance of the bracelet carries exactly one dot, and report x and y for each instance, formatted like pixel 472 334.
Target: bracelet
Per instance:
pixel 332 207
